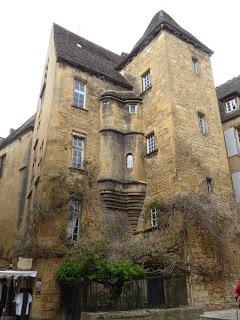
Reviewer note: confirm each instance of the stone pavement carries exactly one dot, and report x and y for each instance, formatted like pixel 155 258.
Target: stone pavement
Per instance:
pixel 230 314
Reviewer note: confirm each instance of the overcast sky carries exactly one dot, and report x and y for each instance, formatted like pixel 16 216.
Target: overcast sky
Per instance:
pixel 116 25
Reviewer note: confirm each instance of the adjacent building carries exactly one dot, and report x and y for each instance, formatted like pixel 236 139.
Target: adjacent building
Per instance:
pixel 146 123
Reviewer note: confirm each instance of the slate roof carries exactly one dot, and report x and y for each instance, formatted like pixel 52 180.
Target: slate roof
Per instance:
pixel 224 91
pixel 162 21
pixel 28 125
pixel 122 95
pixel 87 56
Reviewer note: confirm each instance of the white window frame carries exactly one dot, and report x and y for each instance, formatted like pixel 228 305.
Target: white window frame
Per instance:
pixel 202 123
pixel 130 161
pixel 132 108
pixel 154 217
pixel 151 143
pixel 79 94
pixel 73 230
pixel 146 80
pixel 209 184
pixel 195 66
pixel 78 150
pixel 231 106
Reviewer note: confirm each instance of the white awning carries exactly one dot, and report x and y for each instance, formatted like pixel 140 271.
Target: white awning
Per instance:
pixel 17 274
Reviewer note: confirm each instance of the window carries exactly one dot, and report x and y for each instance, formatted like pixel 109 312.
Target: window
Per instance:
pixel 202 124
pixel 195 66
pixel 2 164
pixel 231 106
pixel 154 221
pixel 151 143
pixel 129 161
pixel 77 151
pixel 74 220
pixel 79 94
pixel 232 141
pixel 132 108
pixel 146 80
pixel 209 184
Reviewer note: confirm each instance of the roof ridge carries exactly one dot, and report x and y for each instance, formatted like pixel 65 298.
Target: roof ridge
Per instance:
pixel 228 81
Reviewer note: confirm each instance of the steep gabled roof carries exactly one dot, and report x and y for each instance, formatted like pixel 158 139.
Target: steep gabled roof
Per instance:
pixel 229 87
pixel 28 125
pixel 162 21
pixel 87 56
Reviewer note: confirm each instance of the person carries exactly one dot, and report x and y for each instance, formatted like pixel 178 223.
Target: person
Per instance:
pixel 237 294
pixel 3 294
pixel 23 300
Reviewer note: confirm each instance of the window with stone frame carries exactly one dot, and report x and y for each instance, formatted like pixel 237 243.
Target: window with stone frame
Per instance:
pixel 73 230
pixel 154 217
pixel 129 161
pixel 231 105
pixel 146 80
pixel 2 164
pixel 79 94
pixel 209 184
pixel 78 142
pixel 195 66
pixel 132 108
pixel 151 143
pixel 202 123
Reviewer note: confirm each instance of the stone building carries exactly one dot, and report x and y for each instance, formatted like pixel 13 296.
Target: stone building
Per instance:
pixel 228 96
pixel 148 122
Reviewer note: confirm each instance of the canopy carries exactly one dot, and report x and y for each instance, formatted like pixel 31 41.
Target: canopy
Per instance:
pixel 17 274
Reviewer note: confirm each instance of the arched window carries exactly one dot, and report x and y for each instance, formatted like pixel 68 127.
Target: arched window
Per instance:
pixel 129 161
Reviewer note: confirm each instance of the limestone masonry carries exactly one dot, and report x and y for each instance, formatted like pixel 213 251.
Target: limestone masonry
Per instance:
pixel 147 125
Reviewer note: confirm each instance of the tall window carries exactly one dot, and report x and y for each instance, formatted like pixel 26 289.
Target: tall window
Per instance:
pixel 202 123
pixel 154 221
pixel 2 164
pixel 195 66
pixel 231 106
pixel 151 143
pixel 129 161
pixel 209 183
pixel 146 80
pixel 73 230
pixel 77 151
pixel 79 98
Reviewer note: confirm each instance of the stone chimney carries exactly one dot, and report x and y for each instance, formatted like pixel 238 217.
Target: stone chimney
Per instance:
pixel 11 131
pixel 124 54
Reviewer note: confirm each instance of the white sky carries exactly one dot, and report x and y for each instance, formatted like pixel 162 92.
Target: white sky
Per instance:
pixel 116 25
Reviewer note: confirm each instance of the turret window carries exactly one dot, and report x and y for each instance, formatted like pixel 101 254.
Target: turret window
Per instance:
pixel 132 108
pixel 129 161
pixel 209 183
pixel 202 123
pixel 79 94
pixel 154 220
pixel 2 164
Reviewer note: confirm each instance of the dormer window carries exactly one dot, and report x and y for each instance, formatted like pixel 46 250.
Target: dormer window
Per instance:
pixel 231 105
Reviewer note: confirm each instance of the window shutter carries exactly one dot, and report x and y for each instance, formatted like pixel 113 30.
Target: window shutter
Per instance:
pixel 231 143
pixel 236 185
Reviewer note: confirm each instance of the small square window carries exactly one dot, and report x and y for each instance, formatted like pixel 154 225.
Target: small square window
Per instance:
pixel 195 66
pixel 146 80
pixel 231 106
pixel 209 183
pixel 151 143
pixel 79 94
pixel 132 108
